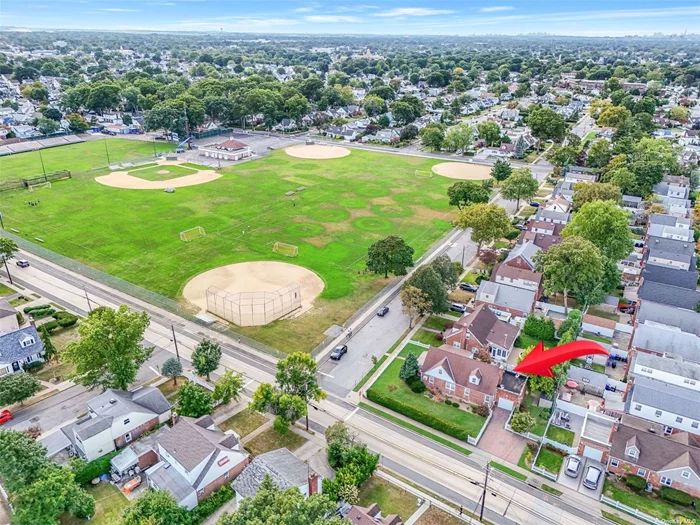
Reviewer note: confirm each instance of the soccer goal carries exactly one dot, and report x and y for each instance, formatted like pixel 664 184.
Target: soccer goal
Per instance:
pixel 288 250
pixel 428 174
pixel 31 187
pixel 192 233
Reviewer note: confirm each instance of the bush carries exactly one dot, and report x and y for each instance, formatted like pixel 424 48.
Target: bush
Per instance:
pixel 211 504
pixel 20 318
pixel 28 309
pixel 40 314
pixel 65 322
pixel 513 234
pixel 86 472
pixel 480 278
pixel 676 496
pixel 34 365
pixel 539 327
pixel 480 410
pixel 50 326
pixel 455 404
pixel 416 385
pixel 634 482
pixel 448 401
pixel 438 336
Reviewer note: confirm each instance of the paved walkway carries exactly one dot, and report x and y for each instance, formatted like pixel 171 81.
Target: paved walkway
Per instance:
pixel 499 442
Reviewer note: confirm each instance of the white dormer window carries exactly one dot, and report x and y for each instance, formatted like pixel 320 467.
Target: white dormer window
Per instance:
pixel 632 452
pixel 685 474
pixel 26 341
pixel 455 344
pixel 474 380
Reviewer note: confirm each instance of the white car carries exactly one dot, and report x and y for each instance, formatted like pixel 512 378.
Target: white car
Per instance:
pixel 573 466
pixel 592 478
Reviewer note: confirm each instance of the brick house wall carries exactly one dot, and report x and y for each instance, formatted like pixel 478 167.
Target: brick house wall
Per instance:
pixel 464 342
pixel 511 396
pixel 136 433
pixel 518 262
pixel 149 459
pixel 474 397
pixel 233 472
pixel 623 468
pixel 583 443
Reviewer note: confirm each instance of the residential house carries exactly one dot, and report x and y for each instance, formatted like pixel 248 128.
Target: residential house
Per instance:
pixel 670 252
pixel 482 331
pixel 371 515
pixel 667 368
pixel 564 189
pixel 541 240
pixel 631 202
pixel 507 302
pixel 631 267
pixel 518 277
pixel 510 114
pixel 286 471
pixel 552 216
pixel 386 136
pixel 576 174
pixel 649 312
pixel 672 189
pixel 595 439
pixel 669 294
pixel 19 347
pixel 522 256
pixel 663 460
pixel 285 124
pixel 558 204
pixel 670 276
pixel 662 340
pixel 675 407
pixel 231 149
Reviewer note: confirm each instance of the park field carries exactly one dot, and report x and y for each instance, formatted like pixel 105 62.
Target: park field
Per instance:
pixel 78 157
pixel 348 204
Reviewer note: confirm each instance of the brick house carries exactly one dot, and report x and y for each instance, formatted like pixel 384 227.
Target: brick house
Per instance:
pixel 522 256
pixel 371 515
pixel 481 330
pixel 519 277
pixel 672 461
pixel 596 436
pixel 508 302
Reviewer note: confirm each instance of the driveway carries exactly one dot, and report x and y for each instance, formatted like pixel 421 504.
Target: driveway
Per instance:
pixel 577 483
pixel 500 442
pixel 54 411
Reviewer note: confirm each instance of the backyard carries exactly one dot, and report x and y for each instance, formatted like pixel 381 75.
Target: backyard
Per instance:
pixel 109 503
pixel 390 498
pixel 270 439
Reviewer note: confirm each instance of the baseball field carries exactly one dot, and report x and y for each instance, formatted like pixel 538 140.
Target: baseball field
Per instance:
pixel 347 204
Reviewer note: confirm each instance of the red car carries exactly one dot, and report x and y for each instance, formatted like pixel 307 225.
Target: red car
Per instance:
pixel 5 416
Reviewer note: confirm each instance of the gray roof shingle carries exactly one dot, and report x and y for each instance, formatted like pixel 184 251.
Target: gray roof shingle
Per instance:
pixel 11 349
pixel 671 295
pixel 663 341
pixel 686 320
pixel 665 397
pixel 671 276
pixel 668 246
pixel 677 367
pixel 507 296
pixel 285 469
pixel 6 309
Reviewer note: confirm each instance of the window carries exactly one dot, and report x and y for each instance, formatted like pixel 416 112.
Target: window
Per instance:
pixel 637 407
pixel 127 437
pixel 694 424
pixel 456 344
pixel 431 380
pixel 679 419
pixel 667 430
pixel 127 421
pixel 26 341
pixel 666 481
pixel 614 463
pixel 658 413
pixel 632 452
pixel 449 386
pixel 487 399
pixel 646 370
pixel 226 475
pixel 466 392
pixel 641 472
pixel 689 382
pixel 200 492
pixel 685 474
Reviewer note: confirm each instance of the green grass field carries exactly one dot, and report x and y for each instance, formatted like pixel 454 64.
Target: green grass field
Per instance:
pixel 77 157
pixel 152 172
pixel 349 203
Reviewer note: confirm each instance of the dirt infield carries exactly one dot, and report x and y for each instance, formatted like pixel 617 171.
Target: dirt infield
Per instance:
pixel 259 276
pixel 122 179
pixel 463 170
pixel 317 151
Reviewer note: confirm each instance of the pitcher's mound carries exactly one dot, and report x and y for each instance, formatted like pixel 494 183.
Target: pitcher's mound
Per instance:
pixel 463 170
pixel 258 276
pixel 317 151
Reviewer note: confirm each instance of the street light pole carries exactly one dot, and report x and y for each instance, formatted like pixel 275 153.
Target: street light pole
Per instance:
pixel 463 248
pixel 4 259
pixel 107 151
pixel 483 496
pixel 41 158
pixel 177 353
pixel 88 299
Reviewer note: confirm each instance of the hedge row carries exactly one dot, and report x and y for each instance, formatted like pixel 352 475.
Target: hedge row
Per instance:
pixel 38 307
pixel 40 314
pixel 211 504
pixel 94 469
pixel 414 413
pixel 635 482
pixel 676 496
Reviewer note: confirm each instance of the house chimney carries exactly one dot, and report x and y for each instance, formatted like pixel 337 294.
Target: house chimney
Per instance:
pixel 313 483
pixel 32 321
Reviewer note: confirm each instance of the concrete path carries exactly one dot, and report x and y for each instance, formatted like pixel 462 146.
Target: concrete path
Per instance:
pixel 418 513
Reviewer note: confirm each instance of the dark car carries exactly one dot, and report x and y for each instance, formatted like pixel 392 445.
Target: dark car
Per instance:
pixel 535 204
pixel 160 137
pixel 468 287
pixel 459 308
pixel 5 416
pixel 383 311
pixel 519 227
pixel 22 263
pixel 338 352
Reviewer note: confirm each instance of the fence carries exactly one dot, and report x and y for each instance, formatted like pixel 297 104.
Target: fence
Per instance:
pixel 253 308
pixel 559 446
pixel 544 472
pixel 19 184
pixel 213 133
pixel 631 511
pixel 475 441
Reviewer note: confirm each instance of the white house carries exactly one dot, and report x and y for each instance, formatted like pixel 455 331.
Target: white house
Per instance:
pixel 675 407
pixel 18 346
pixel 673 371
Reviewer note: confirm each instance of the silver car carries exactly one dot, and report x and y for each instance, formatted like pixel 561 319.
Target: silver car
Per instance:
pixel 592 478
pixel 573 467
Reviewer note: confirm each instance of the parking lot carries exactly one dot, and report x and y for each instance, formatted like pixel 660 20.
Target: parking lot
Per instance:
pixel 577 482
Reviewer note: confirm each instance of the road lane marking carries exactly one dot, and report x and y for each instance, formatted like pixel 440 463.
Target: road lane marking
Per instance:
pixel 351 414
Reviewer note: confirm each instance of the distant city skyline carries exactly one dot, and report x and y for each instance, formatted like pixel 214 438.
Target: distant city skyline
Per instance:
pixel 393 17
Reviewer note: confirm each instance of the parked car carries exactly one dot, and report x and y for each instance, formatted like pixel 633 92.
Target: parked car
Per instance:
pixel 535 204
pixel 383 311
pixel 22 263
pixel 459 308
pixel 5 416
pixel 573 466
pixel 159 137
pixel 519 227
pixel 592 478
pixel 468 287
pixel 338 352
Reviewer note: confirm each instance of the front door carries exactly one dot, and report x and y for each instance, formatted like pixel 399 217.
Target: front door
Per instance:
pixel 15 366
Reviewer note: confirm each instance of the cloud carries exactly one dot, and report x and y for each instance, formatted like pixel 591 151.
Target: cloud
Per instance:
pixel 414 11
pixel 303 9
pixel 331 19
pixel 118 10
pixel 496 8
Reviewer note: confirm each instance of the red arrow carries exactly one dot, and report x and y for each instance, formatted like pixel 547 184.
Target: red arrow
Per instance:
pixel 539 362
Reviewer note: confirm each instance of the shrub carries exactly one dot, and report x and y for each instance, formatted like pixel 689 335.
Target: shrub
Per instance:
pixel 480 278
pixel 634 482
pixel 28 309
pixel 65 322
pixel 86 472
pixel 455 404
pixel 522 422
pixel 539 327
pixel 416 385
pixel 448 401
pixel 28 367
pixel 40 314
pixel 449 325
pixel 51 325
pixel 20 318
pixel 481 410
pixel 513 234
pixel 676 496
pixel 438 337
pixel 211 504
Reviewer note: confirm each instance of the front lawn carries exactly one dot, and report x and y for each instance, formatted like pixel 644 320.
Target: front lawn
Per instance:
pixel 168 388
pixel 425 337
pixel 6 290
pixel 244 422
pixel 471 278
pixel 540 414
pixel 369 374
pixel 55 370
pixel 390 498
pixel 599 339
pixel 561 435
pixel 109 503
pixel 437 323
pixel 526 459
pixel 650 504
pixel 272 440
pixel 509 471
pixel 435 516
pixel 550 460
pixel 411 348
pixel 390 391
pixel 525 341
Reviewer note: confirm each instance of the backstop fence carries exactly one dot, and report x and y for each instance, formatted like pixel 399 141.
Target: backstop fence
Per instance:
pixel 22 183
pixel 253 308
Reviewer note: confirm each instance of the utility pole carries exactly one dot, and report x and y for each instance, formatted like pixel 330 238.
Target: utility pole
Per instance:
pixel 463 249
pixel 177 353
pixel 107 151
pixel 41 158
pixel 88 299
pixel 4 259
pixel 483 496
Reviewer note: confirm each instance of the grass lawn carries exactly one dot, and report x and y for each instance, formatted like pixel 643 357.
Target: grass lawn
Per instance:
pixel 18 301
pixel 471 277
pixel 425 337
pixel 349 204
pixel 550 460
pixel 650 504
pixel 551 490
pixel 525 341
pixel 77 157
pixel 390 498
pixel 151 172
pixel 244 422
pixel 109 503
pixel 509 471
pixel 272 440
pixel 6 290
pixel 60 337
pixel 372 370
pixel 469 421
pixel 597 338
pixel 595 366
pixel 604 314
pixel 437 323
pixel 498 245
pixel 435 516
pixel 169 388
pixel 416 429
pixel 526 459
pixel 616 519
pixel 410 347
pixel 540 414
pixel 561 435
pixel 55 369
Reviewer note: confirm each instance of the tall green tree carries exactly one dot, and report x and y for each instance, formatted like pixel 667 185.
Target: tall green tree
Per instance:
pixel 433 138
pixel 287 408
pixel 599 154
pixel 459 137
pixel 428 281
pixel 466 192
pixel 50 351
pixel 546 124
pixel 193 400
pixel 623 178
pixel 488 222
pixel 501 170
pixel 489 132
pixel 520 185
pixel 229 387
pixel 296 376
pixel 414 302
pixel 615 117
pixel 206 357
pixel 15 388
pixel 597 191
pixel 605 225
pixel 562 155
pixel 446 269
pixel 109 352
pixel 21 460
pixel 390 255
pixel 172 368
pixel 155 507
pixel 410 367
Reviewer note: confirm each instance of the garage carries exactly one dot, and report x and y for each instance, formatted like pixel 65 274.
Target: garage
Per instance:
pixel 593 453
pixel 506 404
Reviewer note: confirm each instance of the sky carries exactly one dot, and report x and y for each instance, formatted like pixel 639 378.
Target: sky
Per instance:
pixel 395 17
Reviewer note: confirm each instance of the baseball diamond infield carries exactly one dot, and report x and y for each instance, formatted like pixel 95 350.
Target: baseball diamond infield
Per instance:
pixel 257 276
pixel 463 170
pixel 317 151
pixel 123 179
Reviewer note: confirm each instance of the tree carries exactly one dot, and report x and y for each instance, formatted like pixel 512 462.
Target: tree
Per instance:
pixel 155 507
pixel 50 350
pixel 296 376
pixel 501 170
pixel 597 191
pixel 15 388
pixel 193 400
pixel 605 225
pixel 166 118
pixel 296 107
pixel 109 352
pixel 77 123
pixel 206 357
pixel 415 302
pixel 467 192
pixel 127 120
pixel 402 112
pixel 615 117
pixel 409 132
pixel 520 185
pixel 562 155
pixel 433 138
pixel 488 222
pixel 288 408
pixel 522 422
pixel 679 113
pixel 623 179
pixel 428 281
pixel 410 367
pixel 47 126
pixel 373 105
pixel 547 124
pixel 21 460
pixel 599 154
pixel 272 506
pixel 390 255
pixel 489 132
pixel 447 270
pixel 570 267
pixel 103 95
pixel 228 387
pixel 520 148
pixel 52 113
pixel 459 137
pixel 172 368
